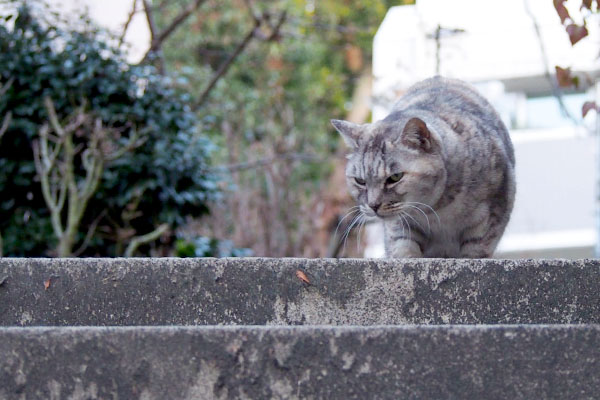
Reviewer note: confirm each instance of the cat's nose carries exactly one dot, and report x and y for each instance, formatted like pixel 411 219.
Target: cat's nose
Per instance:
pixel 374 206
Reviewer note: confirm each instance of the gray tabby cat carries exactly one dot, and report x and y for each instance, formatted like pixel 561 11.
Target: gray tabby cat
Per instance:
pixel 438 171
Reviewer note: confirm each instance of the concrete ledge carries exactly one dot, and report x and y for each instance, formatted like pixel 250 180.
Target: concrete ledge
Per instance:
pixel 419 362
pixel 63 292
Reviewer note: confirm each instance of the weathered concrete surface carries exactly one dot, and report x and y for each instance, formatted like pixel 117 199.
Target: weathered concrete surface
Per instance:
pixel 268 291
pixel 410 362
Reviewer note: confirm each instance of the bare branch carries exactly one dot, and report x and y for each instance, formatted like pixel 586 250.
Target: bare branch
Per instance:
pixel 42 166
pixel 183 15
pixel 5 122
pixel 157 38
pixel 4 88
pixel 89 234
pixel 277 28
pixel 53 118
pixel 251 11
pixel 254 32
pixel 8 117
pixel 556 91
pixel 56 166
pixel 151 24
pixel 225 65
pixel 127 23
pixel 134 141
pixel 147 238
pixel 154 47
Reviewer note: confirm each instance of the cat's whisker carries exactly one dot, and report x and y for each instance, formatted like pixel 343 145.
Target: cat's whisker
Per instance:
pixel 407 226
pixel 351 211
pixel 429 207
pixel 402 225
pixel 417 222
pixel 424 215
pixel 361 225
pixel 348 229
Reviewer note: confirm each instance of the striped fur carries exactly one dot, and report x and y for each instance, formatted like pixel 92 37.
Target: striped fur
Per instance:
pixel 456 163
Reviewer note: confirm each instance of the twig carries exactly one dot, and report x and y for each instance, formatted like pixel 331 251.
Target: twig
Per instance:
pixel 154 45
pixel 277 28
pixel 157 38
pixel 147 238
pixel 56 167
pixel 556 91
pixel 44 162
pixel 4 88
pixel 133 142
pixel 226 64
pixel 251 11
pixel 254 32
pixel 127 23
pixel 151 25
pixel 8 117
pixel 89 234
pixel 5 123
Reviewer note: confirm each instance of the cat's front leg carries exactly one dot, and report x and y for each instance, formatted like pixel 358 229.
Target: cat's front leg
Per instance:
pixel 403 248
pixel 480 239
pixel 401 241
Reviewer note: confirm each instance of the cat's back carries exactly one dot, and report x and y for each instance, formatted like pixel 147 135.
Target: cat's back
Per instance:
pixel 467 113
pixel 439 94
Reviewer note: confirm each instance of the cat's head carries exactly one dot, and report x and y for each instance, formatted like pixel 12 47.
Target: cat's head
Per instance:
pixel 393 165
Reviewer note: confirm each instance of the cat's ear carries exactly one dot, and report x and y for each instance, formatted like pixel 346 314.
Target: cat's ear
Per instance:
pixel 349 131
pixel 416 135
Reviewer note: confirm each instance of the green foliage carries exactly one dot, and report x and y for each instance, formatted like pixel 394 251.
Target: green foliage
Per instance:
pixel 165 179
pixel 276 99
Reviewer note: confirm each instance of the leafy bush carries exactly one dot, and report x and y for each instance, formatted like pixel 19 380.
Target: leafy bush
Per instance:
pixel 164 179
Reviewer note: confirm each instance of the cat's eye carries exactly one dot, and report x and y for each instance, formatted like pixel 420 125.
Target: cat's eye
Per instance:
pixel 360 182
pixel 394 178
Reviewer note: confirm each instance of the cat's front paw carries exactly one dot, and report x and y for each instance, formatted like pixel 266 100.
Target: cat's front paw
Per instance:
pixel 404 249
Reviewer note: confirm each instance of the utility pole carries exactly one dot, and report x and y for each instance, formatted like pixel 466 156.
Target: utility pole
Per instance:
pixel 438 35
pixel 597 247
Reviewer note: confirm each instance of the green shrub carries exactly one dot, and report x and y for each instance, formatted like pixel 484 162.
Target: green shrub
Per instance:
pixel 163 180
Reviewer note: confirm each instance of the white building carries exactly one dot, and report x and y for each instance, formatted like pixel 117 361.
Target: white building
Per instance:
pixel 494 46
pixel 112 15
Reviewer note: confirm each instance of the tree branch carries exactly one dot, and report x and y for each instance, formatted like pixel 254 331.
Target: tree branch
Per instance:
pixel 183 15
pixel 5 123
pixel 151 25
pixel 157 38
pixel 43 166
pixel 225 66
pixel 253 33
pixel 89 234
pixel 133 142
pixel 147 238
pixel 4 88
pixel 251 11
pixel 154 45
pixel 556 91
pixel 62 184
pixel 127 23
pixel 8 117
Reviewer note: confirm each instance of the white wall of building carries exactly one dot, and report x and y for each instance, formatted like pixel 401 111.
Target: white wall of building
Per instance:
pixel 112 15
